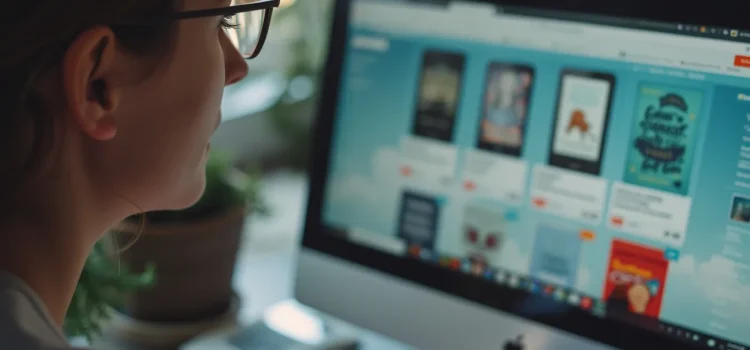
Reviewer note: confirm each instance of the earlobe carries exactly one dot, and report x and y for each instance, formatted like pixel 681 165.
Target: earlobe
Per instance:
pixel 103 130
pixel 88 89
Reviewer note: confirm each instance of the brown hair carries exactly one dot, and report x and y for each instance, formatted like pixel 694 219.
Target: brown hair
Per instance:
pixel 34 36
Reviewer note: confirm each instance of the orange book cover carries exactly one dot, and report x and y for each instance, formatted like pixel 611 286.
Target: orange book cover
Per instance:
pixel 635 279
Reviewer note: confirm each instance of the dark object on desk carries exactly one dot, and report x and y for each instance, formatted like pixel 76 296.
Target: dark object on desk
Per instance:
pixel 260 337
pixel 515 344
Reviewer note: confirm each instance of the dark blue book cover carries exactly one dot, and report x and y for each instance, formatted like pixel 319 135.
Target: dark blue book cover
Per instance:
pixel 663 139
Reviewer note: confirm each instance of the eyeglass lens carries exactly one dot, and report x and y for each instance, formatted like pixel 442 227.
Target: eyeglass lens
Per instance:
pixel 246 31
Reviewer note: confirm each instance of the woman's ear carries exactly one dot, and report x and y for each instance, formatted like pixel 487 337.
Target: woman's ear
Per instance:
pixel 90 95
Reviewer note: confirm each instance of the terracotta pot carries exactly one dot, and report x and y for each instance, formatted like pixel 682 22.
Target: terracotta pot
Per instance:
pixel 195 263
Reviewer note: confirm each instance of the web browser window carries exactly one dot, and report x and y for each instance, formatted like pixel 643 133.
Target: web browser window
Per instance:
pixel 605 166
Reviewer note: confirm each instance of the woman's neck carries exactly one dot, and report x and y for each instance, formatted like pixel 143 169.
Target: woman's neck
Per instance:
pixel 55 223
pixel 47 241
pixel 51 267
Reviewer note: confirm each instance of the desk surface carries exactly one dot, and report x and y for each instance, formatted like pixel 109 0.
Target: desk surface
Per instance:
pixel 266 264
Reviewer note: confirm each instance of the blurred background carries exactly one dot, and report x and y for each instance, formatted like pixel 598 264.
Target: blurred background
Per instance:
pixel 267 116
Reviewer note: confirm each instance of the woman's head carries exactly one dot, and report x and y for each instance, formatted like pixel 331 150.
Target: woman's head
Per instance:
pixel 124 111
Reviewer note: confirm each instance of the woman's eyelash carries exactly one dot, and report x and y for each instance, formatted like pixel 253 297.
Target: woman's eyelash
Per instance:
pixel 227 22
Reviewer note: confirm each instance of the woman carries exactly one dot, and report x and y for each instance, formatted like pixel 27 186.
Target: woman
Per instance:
pixel 107 111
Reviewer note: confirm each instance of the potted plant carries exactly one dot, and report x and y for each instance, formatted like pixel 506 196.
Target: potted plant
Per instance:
pixel 193 252
pixel 102 286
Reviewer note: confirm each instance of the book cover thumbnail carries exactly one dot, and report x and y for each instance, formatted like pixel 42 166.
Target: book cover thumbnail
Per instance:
pixel 556 255
pixel 483 237
pixel 660 154
pixel 635 280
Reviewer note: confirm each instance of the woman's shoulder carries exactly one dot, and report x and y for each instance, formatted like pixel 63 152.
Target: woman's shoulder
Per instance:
pixel 24 321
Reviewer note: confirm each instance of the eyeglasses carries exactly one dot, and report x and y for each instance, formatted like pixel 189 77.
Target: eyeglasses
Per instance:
pixel 245 22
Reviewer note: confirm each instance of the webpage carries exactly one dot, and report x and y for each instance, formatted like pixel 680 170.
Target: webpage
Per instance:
pixel 610 161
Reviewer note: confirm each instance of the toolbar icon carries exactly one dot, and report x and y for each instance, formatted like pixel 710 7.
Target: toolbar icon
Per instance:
pixel 574 299
pixel 501 277
pixel 560 294
pixel 513 281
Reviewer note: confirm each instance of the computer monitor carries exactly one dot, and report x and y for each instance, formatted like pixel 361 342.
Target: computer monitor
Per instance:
pixel 576 172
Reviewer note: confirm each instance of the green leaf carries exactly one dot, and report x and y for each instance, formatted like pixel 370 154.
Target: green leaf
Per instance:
pixel 102 287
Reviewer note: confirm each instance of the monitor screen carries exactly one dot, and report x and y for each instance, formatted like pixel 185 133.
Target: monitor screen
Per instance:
pixel 597 162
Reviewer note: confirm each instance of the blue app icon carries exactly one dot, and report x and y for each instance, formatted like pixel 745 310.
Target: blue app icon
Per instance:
pixel 533 287
pixel 466 267
pixel 441 201
pixel 672 254
pixel 653 287
pixel 511 215
pixel 426 255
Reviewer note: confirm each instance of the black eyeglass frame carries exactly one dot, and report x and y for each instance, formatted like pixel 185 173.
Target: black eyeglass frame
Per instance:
pixel 260 5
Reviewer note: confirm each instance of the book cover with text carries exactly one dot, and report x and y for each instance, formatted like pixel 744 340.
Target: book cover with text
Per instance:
pixel 635 280
pixel 663 139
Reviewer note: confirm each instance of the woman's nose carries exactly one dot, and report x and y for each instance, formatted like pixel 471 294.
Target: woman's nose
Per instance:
pixel 234 64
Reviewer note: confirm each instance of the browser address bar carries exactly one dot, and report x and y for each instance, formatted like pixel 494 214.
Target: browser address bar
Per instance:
pixel 558 36
pixel 662 49
pixel 652 52
pixel 676 55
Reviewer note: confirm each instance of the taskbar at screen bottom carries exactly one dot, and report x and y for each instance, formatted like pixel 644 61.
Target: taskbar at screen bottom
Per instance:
pixel 534 287
pixel 596 307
